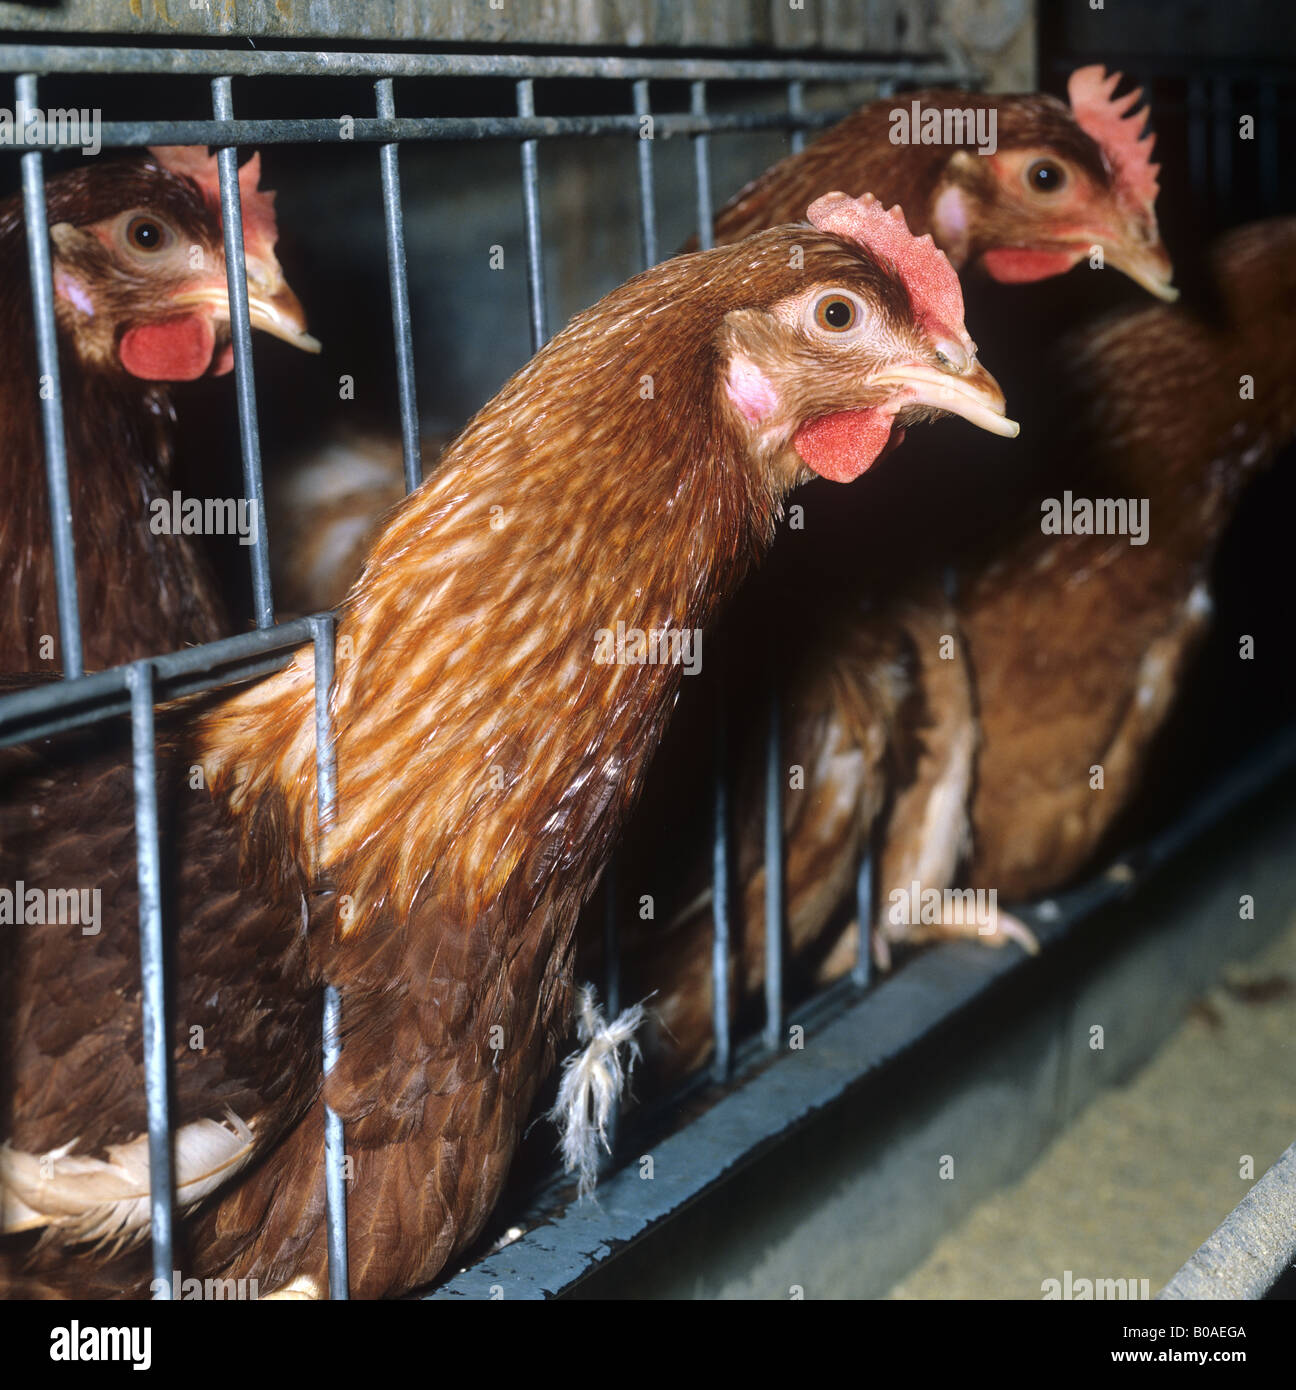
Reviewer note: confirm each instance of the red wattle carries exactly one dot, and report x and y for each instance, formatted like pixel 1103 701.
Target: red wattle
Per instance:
pixel 173 350
pixel 1013 265
pixel 840 447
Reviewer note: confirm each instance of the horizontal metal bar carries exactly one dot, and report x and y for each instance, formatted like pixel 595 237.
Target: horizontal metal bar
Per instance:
pixel 1251 1248
pixel 859 1040
pixel 86 701
pixel 374 130
pixel 209 62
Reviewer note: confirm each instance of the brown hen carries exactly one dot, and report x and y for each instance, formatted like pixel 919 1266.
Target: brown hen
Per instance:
pixel 487 757
pixel 140 300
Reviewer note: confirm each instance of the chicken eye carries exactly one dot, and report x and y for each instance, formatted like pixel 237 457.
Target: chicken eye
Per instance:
pixel 145 234
pixel 836 313
pixel 1046 176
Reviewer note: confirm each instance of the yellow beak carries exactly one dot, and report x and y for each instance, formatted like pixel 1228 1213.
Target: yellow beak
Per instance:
pixel 973 393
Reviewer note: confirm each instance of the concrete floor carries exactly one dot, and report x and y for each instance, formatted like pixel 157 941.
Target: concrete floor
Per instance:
pixel 1149 1169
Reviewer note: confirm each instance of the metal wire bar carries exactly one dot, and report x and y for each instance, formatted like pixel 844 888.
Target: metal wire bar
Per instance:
pixel 334 1157
pixel 702 170
pixel 82 59
pixel 372 130
pixel 611 939
pixel 139 678
pixel 722 1062
pixel 862 970
pixel 1253 1245
pixel 241 333
pixel 322 628
pixel 531 219
pixel 647 197
pixel 394 220
pixel 796 109
pixel 774 873
pixel 98 696
pixel 612 998
pixel 854 1039
pixel 51 395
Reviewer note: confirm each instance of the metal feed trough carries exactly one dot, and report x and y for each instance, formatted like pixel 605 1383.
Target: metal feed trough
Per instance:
pixel 861 1033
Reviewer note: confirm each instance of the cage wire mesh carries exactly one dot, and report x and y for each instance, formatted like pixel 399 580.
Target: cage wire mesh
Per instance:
pixel 82 699
pixel 785 103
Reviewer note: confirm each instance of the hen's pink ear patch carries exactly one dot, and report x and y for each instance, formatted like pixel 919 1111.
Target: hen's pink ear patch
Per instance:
pixel 173 350
pixel 260 227
pixel 840 447
pixel 933 286
pixel 1117 129
pixel 750 389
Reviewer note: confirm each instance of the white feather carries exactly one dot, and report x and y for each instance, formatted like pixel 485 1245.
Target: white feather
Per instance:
pixel 593 1080
pixel 78 1198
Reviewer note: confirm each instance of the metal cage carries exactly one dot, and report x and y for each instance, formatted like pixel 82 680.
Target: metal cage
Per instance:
pixel 858 1040
pixel 84 699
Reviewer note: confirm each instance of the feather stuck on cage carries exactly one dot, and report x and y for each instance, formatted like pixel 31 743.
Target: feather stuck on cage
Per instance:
pixel 489 746
pixel 593 1081
pixel 140 300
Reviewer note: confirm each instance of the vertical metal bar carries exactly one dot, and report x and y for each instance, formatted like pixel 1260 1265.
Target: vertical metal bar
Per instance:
pixel 335 1158
pixel 1222 128
pixel 796 107
pixel 139 681
pixel 862 970
pixel 51 400
pixel 720 898
pixel 531 215
pixel 326 808
pixel 401 328
pixel 611 940
pixel 241 332
pixel 611 992
pixel 774 904
pixel 647 197
pixel 702 170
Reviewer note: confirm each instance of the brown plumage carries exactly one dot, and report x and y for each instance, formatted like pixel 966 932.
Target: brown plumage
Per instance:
pixel 1068 651
pixel 987 210
pixel 973 206
pixel 486 759
pixel 1079 643
pixel 136 307
pixel 326 508
pixel 886 687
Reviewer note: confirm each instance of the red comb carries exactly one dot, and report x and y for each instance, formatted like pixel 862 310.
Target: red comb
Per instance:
pixel 260 229
pixel 1116 128
pixel 933 286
